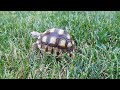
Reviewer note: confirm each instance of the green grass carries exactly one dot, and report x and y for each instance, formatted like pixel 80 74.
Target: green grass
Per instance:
pixel 97 34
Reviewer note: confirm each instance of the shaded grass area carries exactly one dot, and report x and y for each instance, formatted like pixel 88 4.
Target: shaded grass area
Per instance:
pixel 96 33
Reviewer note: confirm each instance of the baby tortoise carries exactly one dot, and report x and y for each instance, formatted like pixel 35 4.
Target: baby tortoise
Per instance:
pixel 54 41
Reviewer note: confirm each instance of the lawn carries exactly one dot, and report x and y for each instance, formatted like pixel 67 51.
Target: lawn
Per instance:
pixel 97 35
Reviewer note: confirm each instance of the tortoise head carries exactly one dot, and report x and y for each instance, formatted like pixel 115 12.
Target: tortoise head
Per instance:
pixel 35 34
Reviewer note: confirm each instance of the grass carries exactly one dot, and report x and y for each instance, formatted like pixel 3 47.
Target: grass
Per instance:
pixel 97 34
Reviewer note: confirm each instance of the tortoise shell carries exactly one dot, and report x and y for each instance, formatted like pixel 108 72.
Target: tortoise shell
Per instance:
pixel 56 41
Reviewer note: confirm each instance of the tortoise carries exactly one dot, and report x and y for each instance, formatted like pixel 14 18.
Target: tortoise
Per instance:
pixel 54 41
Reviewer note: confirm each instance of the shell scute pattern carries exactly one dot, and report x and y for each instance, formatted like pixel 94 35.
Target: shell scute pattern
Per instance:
pixel 55 41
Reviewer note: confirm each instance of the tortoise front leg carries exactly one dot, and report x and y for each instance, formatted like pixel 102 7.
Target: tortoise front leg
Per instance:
pixel 32 53
pixel 35 51
pixel 34 47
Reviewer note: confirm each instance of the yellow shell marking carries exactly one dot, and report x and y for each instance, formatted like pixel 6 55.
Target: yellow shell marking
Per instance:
pixel 44 38
pixel 52 30
pixel 45 31
pixel 73 42
pixel 60 32
pixel 69 44
pixel 53 40
pixel 68 36
pixel 62 43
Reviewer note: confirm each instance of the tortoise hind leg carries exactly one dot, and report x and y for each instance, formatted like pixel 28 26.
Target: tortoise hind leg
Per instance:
pixel 36 51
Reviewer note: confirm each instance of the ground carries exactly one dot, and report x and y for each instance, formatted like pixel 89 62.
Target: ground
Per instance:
pixel 97 34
